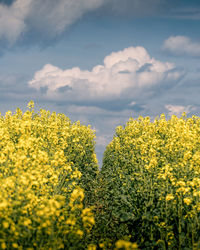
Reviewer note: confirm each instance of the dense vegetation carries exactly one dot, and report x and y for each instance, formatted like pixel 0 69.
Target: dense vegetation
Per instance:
pixel 151 183
pixel 42 180
pixel 53 196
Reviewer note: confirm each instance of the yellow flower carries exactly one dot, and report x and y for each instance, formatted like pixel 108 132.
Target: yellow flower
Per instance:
pixel 187 201
pixel 169 197
pixel 14 245
pixel 122 244
pixel 92 247
pixel 101 245
pixel 5 224
pixel 71 221
pixel 77 193
pixel 88 220
pixel 31 104
pixel 3 245
pixel 79 232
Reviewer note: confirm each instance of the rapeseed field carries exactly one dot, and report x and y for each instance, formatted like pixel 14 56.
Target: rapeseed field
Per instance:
pixel 53 195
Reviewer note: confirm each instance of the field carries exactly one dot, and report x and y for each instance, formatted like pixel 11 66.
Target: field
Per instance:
pixel 53 196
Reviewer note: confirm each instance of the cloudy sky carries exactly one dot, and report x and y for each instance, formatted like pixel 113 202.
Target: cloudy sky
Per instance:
pixel 101 61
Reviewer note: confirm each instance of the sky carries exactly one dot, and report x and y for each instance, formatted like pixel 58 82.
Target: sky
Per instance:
pixel 101 61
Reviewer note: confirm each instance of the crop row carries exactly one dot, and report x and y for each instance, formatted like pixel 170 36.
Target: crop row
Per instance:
pixel 53 196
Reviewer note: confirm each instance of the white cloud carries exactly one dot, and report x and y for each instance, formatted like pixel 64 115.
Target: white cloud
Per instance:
pixel 12 19
pixel 182 45
pixel 54 17
pixel 131 69
pixel 178 109
pixel 47 16
pixel 132 103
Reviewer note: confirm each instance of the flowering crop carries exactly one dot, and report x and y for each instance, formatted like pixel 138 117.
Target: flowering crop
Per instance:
pixel 46 163
pixel 151 183
pixel 52 195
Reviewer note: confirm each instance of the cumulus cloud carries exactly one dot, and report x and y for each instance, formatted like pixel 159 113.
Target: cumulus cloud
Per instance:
pixel 178 109
pixel 127 72
pixel 182 45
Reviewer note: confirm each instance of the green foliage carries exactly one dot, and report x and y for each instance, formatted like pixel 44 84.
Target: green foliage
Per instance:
pixel 46 164
pixel 150 184
pixel 53 196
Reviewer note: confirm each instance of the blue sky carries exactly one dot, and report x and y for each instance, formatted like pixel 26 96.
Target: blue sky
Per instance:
pixel 101 61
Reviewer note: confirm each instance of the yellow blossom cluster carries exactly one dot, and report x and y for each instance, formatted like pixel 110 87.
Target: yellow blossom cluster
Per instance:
pixel 43 157
pixel 151 174
pixel 126 245
pixel 52 195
